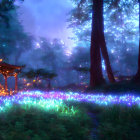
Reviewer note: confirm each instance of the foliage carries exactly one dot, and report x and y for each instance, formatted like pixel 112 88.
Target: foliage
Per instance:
pixel 39 73
pixel 115 122
pixel 82 69
pixel 120 28
pixel 45 74
pixel 119 122
pixel 13 40
pixel 34 124
pixel 5 7
pixel 29 74
pixel 83 9
pixel 80 56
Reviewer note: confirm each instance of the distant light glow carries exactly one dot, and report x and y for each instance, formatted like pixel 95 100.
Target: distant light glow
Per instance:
pixel 68 52
pixel 112 51
pixel 38 45
pixel 103 65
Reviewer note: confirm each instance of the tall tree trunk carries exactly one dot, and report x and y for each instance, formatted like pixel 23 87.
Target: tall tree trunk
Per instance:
pixel 137 76
pixel 107 61
pixel 96 76
pixel 103 43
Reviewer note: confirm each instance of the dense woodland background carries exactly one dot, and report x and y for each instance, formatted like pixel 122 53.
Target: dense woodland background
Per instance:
pixel 113 25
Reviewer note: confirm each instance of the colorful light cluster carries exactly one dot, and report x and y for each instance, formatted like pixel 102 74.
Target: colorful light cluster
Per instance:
pixel 93 98
pixel 37 100
pixel 53 101
pixel 3 92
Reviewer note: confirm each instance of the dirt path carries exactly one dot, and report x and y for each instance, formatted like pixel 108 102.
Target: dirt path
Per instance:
pixel 95 123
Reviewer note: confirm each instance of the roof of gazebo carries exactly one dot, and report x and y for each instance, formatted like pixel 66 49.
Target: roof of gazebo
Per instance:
pixel 9 66
pixel 8 69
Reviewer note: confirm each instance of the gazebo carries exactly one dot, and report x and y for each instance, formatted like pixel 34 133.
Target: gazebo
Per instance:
pixel 8 70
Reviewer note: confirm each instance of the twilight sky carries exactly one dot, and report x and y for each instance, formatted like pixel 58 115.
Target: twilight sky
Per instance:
pixel 46 18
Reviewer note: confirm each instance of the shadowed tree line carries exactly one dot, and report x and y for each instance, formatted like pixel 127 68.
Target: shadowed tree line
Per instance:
pixel 38 74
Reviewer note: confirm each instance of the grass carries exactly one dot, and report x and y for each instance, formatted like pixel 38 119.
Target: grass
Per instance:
pixel 119 123
pixel 68 120
pixel 18 123
pixel 115 122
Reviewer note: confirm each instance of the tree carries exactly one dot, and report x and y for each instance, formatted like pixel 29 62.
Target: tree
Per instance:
pixel 103 42
pixel 39 74
pixel 137 76
pixel 48 76
pixel 80 58
pixel 5 7
pixel 98 44
pixel 96 76
pixel 13 39
pixel 121 29
pixel 82 73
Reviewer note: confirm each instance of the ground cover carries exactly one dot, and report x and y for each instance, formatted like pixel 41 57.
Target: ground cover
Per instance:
pixel 33 117
pixel 114 121
pixel 119 123
pixel 34 124
pixel 52 115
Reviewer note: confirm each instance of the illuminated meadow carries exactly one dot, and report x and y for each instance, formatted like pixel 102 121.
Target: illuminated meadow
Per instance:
pixel 55 100
pixel 68 115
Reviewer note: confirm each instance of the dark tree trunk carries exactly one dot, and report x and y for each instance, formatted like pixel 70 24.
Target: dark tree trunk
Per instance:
pixel 137 76
pixel 97 43
pixel 106 59
pixel 103 44
pixel 96 76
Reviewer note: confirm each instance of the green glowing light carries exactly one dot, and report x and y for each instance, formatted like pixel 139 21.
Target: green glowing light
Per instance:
pixel 48 105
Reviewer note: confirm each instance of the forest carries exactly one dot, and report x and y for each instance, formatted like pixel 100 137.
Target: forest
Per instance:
pixel 69 69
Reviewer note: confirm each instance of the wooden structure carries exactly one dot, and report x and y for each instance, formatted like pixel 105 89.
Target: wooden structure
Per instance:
pixel 8 70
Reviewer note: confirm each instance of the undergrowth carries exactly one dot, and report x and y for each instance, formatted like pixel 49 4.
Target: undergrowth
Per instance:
pixel 119 122
pixel 19 123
